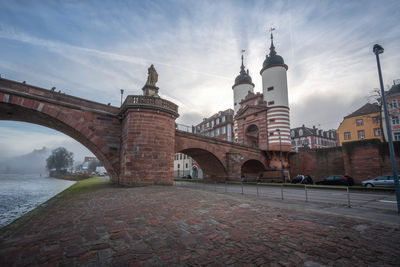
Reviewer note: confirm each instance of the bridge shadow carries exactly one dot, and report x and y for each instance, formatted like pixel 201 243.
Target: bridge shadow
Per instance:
pixel 212 167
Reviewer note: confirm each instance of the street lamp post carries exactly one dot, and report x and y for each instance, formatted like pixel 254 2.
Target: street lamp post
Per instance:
pixel 280 154
pixel 379 50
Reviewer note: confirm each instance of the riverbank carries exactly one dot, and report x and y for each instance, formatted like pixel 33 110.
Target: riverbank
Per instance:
pixel 21 193
pixel 96 223
pixel 72 177
pixel 84 185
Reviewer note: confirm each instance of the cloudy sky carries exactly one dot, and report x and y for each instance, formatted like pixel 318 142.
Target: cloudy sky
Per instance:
pixel 91 49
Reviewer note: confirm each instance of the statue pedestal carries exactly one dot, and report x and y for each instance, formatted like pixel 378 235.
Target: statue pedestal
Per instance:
pixel 150 90
pixel 148 141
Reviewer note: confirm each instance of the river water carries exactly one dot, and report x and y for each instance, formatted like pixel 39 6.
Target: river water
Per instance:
pixel 21 193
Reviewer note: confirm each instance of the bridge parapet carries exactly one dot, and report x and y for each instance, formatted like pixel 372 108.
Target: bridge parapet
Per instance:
pixel 149 102
pixel 52 96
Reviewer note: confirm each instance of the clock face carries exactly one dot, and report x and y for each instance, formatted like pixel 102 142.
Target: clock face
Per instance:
pixel 300 132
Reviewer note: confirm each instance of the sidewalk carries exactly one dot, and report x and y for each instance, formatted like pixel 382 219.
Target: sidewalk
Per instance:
pixel 161 225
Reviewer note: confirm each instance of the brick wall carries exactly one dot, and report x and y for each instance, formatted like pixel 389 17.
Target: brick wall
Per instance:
pixel 361 160
pixel 318 163
pixel 367 159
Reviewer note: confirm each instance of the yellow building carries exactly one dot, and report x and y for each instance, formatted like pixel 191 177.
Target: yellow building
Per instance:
pixel 363 123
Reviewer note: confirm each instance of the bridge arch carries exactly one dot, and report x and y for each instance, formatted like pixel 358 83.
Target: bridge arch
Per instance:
pixel 212 167
pixel 81 125
pixel 251 169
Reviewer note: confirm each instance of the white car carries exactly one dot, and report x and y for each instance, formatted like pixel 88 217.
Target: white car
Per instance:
pixel 381 181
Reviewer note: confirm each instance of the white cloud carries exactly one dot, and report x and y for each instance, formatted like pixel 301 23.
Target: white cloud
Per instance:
pixel 195 48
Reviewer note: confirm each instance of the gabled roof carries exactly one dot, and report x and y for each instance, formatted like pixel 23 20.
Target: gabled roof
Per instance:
pixel 364 110
pixel 295 132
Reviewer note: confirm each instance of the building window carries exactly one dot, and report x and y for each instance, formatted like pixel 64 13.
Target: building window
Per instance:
pixel 361 134
pixel 271 121
pixel 270 88
pixel 223 118
pixel 212 134
pixel 347 136
pixel 212 124
pixel 393 103
pixel 208 125
pixel 223 130
pixel 217 121
pixel 359 122
pixel 377 131
pixel 180 156
pixel 217 132
pixel 186 165
pixel 179 165
pixel 375 119
pixel 395 120
pixel 271 103
pixel 396 137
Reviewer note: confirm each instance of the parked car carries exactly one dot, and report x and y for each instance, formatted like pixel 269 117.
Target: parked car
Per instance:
pixel 336 180
pixel 381 181
pixel 302 179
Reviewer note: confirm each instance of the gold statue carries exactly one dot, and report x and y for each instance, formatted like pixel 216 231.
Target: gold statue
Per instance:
pixel 152 76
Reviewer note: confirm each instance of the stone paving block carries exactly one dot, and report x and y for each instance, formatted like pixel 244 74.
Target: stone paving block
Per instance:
pixel 169 226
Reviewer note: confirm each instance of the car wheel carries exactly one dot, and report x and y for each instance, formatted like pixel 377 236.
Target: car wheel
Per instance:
pixel 369 185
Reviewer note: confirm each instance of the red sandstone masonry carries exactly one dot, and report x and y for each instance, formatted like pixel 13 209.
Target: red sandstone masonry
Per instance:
pixel 361 160
pixel 65 119
pixel 137 149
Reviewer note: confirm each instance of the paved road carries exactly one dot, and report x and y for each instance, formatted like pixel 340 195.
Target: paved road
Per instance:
pixel 178 226
pixel 377 200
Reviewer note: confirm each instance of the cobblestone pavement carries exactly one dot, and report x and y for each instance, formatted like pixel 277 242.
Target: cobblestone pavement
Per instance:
pixel 155 226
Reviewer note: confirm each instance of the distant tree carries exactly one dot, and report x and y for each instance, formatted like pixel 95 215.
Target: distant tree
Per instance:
pixel 59 159
pixel 93 165
pixel 376 96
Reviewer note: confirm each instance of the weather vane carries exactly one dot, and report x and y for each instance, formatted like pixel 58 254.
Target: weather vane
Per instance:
pixel 271 30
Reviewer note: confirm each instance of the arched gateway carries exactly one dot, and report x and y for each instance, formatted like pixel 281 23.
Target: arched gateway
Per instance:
pixel 136 142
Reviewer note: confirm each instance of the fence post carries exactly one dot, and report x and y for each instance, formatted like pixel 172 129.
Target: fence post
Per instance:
pixel 282 191
pixel 242 188
pixel 257 188
pixel 305 188
pixel 348 197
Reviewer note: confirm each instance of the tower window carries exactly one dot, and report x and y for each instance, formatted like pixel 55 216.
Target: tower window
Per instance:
pixel 270 88
pixel 271 120
pixel 271 103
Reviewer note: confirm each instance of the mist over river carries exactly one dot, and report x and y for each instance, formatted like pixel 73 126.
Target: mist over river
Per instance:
pixel 21 193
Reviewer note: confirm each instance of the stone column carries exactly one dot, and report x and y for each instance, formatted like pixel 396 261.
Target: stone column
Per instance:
pixel 148 140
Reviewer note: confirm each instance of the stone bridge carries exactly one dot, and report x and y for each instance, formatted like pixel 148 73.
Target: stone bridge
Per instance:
pixel 136 142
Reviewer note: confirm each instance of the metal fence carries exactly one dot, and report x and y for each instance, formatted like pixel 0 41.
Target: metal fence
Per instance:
pixel 336 195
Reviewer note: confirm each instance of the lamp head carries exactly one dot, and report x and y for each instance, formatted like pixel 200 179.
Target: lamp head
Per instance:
pixel 378 49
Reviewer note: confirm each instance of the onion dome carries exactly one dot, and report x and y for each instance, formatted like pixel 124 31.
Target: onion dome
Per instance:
pixel 273 59
pixel 244 77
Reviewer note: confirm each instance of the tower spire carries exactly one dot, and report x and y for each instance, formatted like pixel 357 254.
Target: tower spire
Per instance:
pixel 242 66
pixel 272 48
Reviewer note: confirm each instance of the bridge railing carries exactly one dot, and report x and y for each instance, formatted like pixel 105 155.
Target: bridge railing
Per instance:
pixel 185 128
pixel 140 101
